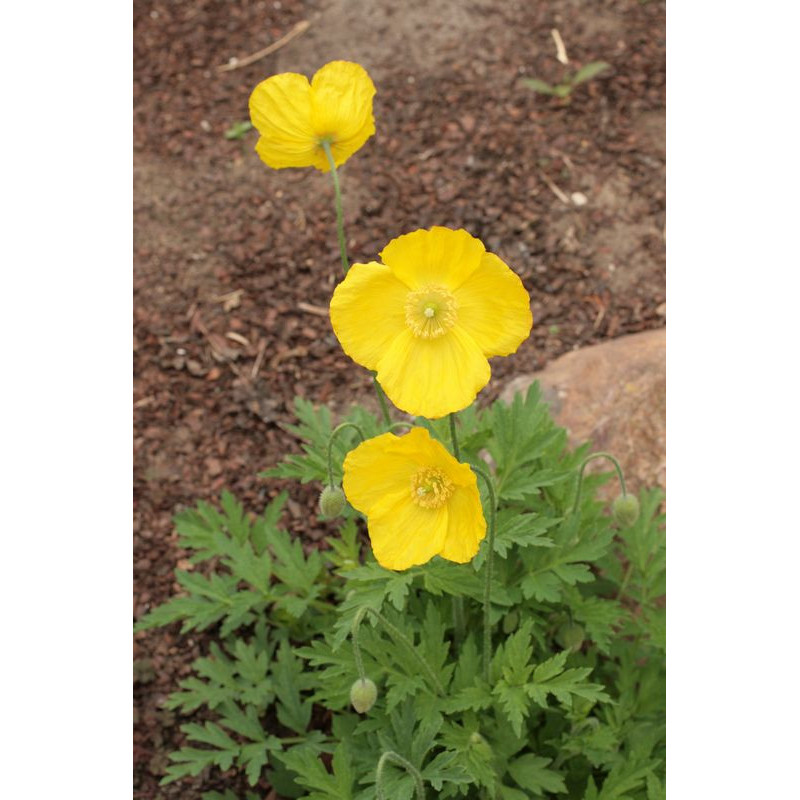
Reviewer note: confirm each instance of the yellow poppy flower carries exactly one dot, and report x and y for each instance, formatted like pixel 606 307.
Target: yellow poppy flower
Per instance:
pixel 419 501
pixel 295 117
pixel 429 317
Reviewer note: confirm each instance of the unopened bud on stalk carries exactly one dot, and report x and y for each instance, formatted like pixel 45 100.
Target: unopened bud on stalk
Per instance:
pixel 625 510
pixel 331 502
pixel 479 744
pixel 363 694
pixel 570 637
pixel 510 622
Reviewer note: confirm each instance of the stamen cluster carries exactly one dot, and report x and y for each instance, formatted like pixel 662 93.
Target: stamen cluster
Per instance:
pixel 430 488
pixel 430 311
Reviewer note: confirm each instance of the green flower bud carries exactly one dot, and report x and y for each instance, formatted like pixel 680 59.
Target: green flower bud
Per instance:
pixel 625 510
pixel 363 694
pixel 570 636
pixel 331 502
pixel 480 745
pixel 510 622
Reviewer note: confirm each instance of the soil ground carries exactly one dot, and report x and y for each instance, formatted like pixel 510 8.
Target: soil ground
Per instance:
pixel 234 263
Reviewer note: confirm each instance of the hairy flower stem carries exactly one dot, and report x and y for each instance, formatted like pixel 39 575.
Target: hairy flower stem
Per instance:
pixel 458 618
pixel 382 400
pixel 583 467
pixel 458 602
pixel 390 755
pixel 487 588
pixel 326 146
pixel 330 445
pixel 453 437
pixel 357 647
pixel 399 636
pixel 625 579
pixel 337 191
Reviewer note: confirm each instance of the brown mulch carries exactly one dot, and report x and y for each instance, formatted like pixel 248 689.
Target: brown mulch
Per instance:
pixel 235 263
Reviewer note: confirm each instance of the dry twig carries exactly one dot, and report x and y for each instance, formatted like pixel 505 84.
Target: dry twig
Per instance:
pixel 262 349
pixel 554 189
pixel 561 51
pixel 319 311
pixel 238 63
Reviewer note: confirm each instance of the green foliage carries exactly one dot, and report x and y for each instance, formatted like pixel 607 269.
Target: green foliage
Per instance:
pixel 239 129
pixel 578 716
pixel 570 81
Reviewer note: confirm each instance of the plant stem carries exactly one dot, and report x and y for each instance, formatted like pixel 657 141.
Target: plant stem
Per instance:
pixel 326 146
pixel 357 647
pixel 390 755
pixel 583 467
pixel 487 588
pixel 330 445
pixel 458 618
pixel 403 639
pixel 337 191
pixel 453 437
pixel 625 579
pixel 382 400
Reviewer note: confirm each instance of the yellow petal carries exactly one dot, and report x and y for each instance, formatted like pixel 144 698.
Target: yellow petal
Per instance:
pixel 280 109
pixel 433 377
pixel 379 480
pixel 379 470
pixel 405 534
pixel 438 257
pixel 341 107
pixel 494 307
pixel 367 312
pixel 466 526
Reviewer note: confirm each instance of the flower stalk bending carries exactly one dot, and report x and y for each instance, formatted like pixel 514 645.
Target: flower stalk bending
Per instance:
pixel 583 467
pixel 330 445
pixel 390 755
pixel 400 637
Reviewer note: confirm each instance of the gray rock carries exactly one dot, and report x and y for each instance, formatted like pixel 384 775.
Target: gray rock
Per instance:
pixel 614 395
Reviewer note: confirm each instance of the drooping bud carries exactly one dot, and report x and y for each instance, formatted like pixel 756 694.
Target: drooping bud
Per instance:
pixel 570 637
pixel 363 694
pixel 331 502
pixel 510 622
pixel 480 745
pixel 625 510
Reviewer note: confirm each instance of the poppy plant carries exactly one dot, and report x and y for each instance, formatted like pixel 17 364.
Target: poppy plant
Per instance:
pixel 419 501
pixel 296 119
pixel 428 318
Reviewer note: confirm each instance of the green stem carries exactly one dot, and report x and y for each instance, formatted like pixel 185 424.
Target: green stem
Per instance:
pixel 583 467
pixel 487 588
pixel 326 146
pixel 357 647
pixel 390 755
pixel 330 445
pixel 403 639
pixel 453 437
pixel 625 579
pixel 395 425
pixel 337 191
pixel 458 618
pixel 382 400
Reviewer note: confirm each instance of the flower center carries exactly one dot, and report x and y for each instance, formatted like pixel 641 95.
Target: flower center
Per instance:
pixel 430 311
pixel 430 488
